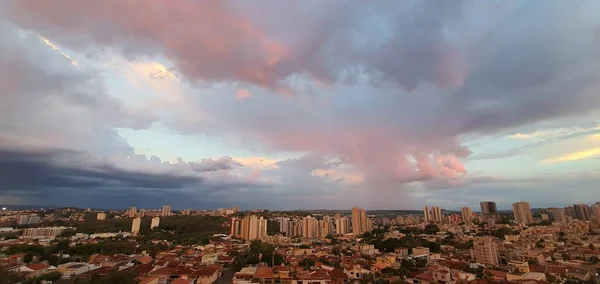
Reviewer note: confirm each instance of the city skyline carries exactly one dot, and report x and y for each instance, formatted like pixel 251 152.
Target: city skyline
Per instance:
pixel 388 105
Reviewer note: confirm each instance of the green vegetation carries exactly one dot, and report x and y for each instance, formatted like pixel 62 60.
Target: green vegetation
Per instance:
pixel 272 227
pixel 541 223
pixel 115 277
pixel 257 252
pixel 408 241
pixel 52 276
pixel 10 277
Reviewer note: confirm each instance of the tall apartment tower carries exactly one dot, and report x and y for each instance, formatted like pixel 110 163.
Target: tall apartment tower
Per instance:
pixel 308 227
pixel 436 214
pixel 488 209
pixel 166 211
pixel 595 209
pixel 342 226
pixel 236 228
pixel 485 251
pixel 522 213
pixel 466 214
pixel 359 221
pixel 250 228
pixel 557 215
pixel 155 222
pixel 135 226
pixel 426 214
pixel 141 213
pixel 132 211
pixel 582 212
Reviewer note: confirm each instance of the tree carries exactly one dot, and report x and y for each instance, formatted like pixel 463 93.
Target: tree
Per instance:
pixel 431 229
pixel 10 277
pixel 307 263
pixel 28 258
pixel 114 277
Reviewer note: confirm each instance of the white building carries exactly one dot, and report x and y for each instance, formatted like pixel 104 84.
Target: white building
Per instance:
pixel 155 222
pixel 101 216
pixel 135 226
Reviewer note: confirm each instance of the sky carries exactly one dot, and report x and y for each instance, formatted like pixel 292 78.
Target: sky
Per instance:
pixel 299 104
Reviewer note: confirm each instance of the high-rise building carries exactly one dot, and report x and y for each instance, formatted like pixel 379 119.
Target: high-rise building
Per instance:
pixel 582 212
pixel 155 222
pixel 488 208
pixel 236 209
pixel 522 212
pixel 595 209
pixel 323 229
pixel 557 215
pixel 466 214
pixel 426 214
pixel 309 227
pixel 166 211
pixel 342 226
pixel 101 216
pixel 569 211
pixel 142 213
pixel 359 221
pixel 235 228
pixel 132 211
pixel 485 251
pixel 436 214
pixel 250 228
pixel 331 224
pixel 283 224
pixel 135 226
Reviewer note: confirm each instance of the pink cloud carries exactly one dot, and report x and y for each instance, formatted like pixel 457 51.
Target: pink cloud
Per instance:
pixel 242 94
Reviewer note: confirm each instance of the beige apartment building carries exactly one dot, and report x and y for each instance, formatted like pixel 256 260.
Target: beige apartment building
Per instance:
pixel 359 221
pixel 485 251
pixel 522 213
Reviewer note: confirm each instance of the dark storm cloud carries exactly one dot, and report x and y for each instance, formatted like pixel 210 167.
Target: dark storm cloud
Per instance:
pixel 39 169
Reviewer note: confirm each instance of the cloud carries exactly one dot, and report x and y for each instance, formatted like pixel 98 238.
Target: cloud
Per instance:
pixel 242 94
pixel 575 156
pixel 52 168
pixel 389 91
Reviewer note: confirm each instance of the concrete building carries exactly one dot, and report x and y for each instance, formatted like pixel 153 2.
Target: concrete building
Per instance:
pixel 142 213
pixel 323 229
pixel 426 214
pixel 132 212
pixel 488 209
pixel 166 211
pixel 41 233
pixel 557 215
pixel 101 216
pixel 342 225
pixel 595 210
pixel 485 251
pixel 466 214
pixel 436 214
pixel 582 212
pixel 235 230
pixel 28 219
pixel 360 223
pixel 309 227
pixel 522 213
pixel 251 228
pixel 135 226
pixel 155 222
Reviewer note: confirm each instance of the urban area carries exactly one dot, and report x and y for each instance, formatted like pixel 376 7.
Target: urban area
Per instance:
pixel 485 245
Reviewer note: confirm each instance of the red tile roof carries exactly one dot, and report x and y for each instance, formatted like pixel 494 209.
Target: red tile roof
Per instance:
pixel 38 266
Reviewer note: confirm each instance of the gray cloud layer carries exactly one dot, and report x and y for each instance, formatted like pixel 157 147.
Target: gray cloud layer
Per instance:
pixel 392 88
